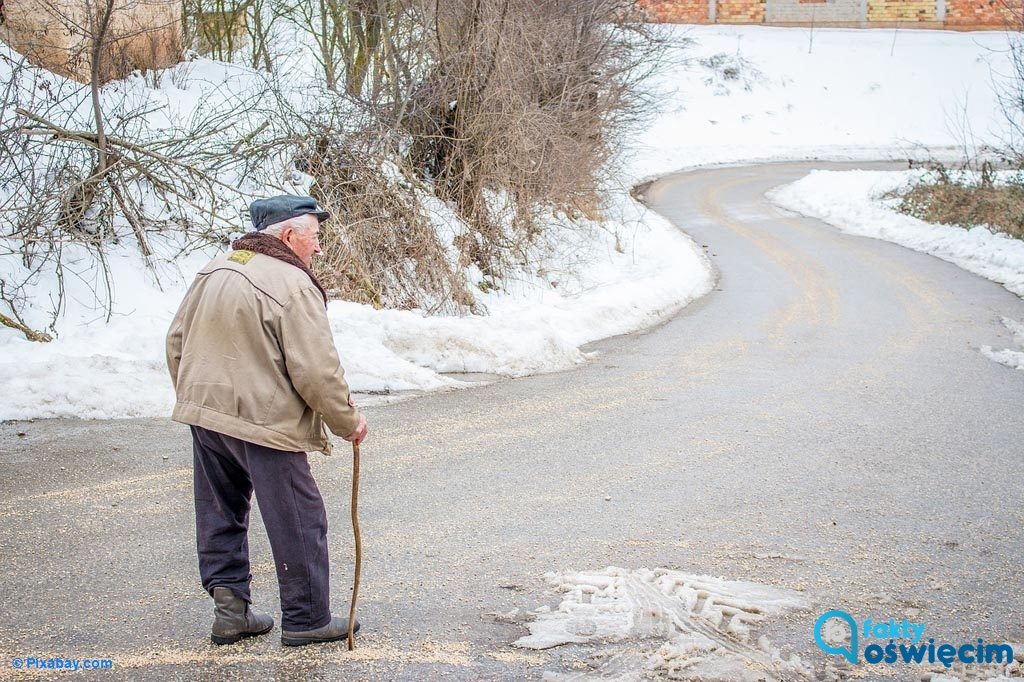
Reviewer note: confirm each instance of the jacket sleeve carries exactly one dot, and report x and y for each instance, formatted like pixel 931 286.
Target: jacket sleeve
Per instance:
pixel 174 338
pixel 312 361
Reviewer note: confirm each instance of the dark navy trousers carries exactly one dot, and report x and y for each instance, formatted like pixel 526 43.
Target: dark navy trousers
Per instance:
pixel 227 472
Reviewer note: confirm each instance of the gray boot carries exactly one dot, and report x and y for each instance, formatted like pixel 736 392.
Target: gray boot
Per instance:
pixel 336 630
pixel 233 620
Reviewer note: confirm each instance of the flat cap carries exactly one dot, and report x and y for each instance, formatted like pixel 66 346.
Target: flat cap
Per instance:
pixel 266 212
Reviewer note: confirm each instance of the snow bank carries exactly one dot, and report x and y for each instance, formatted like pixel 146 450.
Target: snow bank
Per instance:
pixel 97 369
pixel 852 201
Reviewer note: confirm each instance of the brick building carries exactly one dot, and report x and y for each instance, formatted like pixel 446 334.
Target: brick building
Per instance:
pixel 949 14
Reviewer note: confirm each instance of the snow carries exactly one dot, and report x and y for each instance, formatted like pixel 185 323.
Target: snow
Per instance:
pixel 665 624
pixel 744 93
pixel 849 94
pixel 1011 358
pixel 97 369
pixel 853 201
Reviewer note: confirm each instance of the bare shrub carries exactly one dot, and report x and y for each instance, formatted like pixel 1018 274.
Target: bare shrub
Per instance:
pixel 966 198
pixel 382 247
pixel 218 28
pixel 1009 86
pixel 236 30
pixel 521 107
pixel 500 108
pixel 725 69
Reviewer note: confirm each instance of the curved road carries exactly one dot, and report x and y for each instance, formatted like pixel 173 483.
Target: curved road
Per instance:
pixel 822 421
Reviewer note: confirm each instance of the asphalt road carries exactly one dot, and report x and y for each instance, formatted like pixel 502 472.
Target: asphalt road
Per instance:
pixel 822 421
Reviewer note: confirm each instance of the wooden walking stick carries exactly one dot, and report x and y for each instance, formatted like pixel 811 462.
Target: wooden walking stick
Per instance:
pixel 359 546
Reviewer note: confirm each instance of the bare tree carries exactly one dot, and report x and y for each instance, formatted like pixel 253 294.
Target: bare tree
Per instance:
pixel 1009 87
pixel 363 44
pixel 229 30
pixel 526 97
pixel 70 177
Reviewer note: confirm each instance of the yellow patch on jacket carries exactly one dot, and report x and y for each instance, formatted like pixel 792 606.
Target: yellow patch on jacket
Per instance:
pixel 241 256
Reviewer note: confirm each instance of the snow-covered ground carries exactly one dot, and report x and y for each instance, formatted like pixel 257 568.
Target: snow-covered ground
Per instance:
pixel 750 93
pixel 589 290
pixel 743 93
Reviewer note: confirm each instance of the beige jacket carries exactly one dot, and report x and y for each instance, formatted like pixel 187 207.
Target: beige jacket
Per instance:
pixel 251 355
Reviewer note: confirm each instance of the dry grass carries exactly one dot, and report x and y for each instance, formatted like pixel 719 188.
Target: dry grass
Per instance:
pixel 953 200
pixel 524 98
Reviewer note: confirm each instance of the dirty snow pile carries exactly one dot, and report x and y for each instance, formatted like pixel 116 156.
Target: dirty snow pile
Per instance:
pixel 666 624
pixel 663 624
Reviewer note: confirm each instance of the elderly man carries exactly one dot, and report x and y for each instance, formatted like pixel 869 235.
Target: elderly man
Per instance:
pixel 257 377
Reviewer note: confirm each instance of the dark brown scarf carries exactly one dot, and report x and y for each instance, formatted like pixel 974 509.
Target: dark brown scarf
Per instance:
pixel 259 242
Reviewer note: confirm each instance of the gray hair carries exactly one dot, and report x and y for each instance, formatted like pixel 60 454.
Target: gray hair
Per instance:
pixel 298 224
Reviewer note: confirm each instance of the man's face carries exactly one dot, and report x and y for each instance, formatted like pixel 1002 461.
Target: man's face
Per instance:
pixel 304 243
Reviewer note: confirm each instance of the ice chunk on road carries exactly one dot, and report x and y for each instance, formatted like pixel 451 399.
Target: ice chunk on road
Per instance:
pixel 665 622
pixel 1009 357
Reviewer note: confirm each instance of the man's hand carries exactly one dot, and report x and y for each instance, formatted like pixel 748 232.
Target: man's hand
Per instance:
pixel 359 434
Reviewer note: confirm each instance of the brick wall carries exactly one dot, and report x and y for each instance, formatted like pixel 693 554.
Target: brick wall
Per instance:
pixel 994 13
pixel 903 11
pixel 739 11
pixel 677 11
pixel 991 14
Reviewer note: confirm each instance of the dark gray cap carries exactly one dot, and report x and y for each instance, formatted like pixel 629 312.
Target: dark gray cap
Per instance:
pixel 266 212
